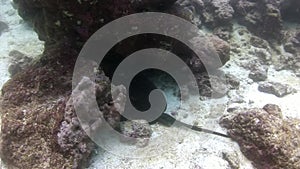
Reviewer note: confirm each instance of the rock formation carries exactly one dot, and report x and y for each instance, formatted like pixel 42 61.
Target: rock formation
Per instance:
pixel 39 126
pixel 265 137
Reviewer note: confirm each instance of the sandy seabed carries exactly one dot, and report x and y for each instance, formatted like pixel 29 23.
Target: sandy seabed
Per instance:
pixel 181 148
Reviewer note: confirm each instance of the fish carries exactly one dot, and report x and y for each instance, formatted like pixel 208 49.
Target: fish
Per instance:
pixel 139 91
pixel 168 120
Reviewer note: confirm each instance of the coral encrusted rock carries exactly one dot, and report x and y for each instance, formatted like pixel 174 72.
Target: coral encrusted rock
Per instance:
pixel 72 136
pixel 79 19
pixel 39 126
pixel 265 137
pixel 261 17
pixel 218 12
pixel 32 107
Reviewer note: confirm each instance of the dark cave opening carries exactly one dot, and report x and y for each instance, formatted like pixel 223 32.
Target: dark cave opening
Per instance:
pixel 144 82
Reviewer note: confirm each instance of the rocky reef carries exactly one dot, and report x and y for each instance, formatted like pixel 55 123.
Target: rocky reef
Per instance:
pixel 39 124
pixel 32 107
pixel 265 137
pixel 40 128
pixel 37 108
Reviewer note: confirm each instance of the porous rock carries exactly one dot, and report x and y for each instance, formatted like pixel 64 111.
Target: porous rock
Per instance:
pixel 258 73
pixel 32 108
pixel 19 62
pixel 39 126
pixel 219 56
pixel 217 12
pixel 223 32
pixel 37 109
pixel 3 27
pixel 258 42
pixel 78 20
pixel 261 17
pixel 291 59
pixel 73 136
pixel 190 10
pixel 136 132
pixel 275 88
pixel 265 137
pixel 211 86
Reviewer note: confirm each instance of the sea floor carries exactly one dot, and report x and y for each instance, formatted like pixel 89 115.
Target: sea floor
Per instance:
pixel 184 148
pixel 178 147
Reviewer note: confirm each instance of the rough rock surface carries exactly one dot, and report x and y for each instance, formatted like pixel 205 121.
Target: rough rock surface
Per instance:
pixel 3 27
pixel 216 85
pixel 217 12
pixel 32 108
pixel 77 20
pixel 232 160
pixel 36 101
pixel 71 136
pixel 221 47
pixel 205 44
pixel 218 90
pixel 39 126
pixel 261 17
pixel 264 18
pixel 19 62
pixel 278 89
pixel 291 59
pixel 259 42
pixel 188 9
pixel 265 137
pixel 258 73
pixel 136 132
pixel 223 32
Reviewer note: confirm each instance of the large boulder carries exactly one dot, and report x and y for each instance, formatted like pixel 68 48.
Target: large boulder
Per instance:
pixel 32 107
pixel 40 128
pixel 265 137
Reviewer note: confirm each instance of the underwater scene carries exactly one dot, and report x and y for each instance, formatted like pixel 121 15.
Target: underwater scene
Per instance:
pixel 150 84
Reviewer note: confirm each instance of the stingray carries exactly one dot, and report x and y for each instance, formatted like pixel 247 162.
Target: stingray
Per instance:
pixel 139 90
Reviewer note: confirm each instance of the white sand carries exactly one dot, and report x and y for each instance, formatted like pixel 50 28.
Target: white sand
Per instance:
pixel 19 37
pixel 184 148
pixel 181 148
